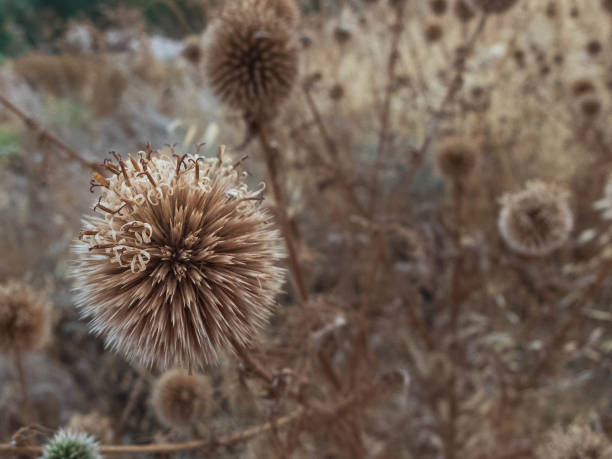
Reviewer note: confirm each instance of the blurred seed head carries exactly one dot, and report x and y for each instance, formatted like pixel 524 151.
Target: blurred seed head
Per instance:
pixel 433 32
pixel 607 6
pixel 456 158
pixel 578 442
pixel 73 445
pixel 181 399
pixel 438 7
pixel 336 92
pixel 464 11
pixel 551 10
pixel 590 106
pixel 25 318
pixel 495 6
pixel 593 48
pixel 582 86
pixel 192 50
pixel 94 424
pixel 251 59
pixel 536 220
pixel 181 262
pixel 342 34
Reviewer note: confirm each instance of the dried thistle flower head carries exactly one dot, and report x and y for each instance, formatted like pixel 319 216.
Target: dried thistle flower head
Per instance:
pixel 251 59
pixel 433 32
pixel 192 50
pixel 456 158
pixel 181 399
pixel 74 445
pixel 590 106
pixel 180 263
pixel 438 7
pixel 593 47
pixel 94 424
pixel 582 86
pixel 25 318
pixel 464 11
pixel 536 220
pixel 495 6
pixel 578 442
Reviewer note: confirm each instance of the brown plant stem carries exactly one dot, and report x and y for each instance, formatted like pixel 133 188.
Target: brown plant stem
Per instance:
pixel 27 414
pixel 45 136
pixel 281 213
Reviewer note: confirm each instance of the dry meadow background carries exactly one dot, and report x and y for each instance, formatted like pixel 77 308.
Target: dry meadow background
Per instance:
pixel 440 170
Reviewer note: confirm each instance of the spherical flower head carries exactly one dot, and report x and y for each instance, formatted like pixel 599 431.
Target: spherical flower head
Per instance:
pixel 579 442
pixel 536 220
pixel 456 158
pixel 438 7
pixel 495 6
pixel 582 86
pixel 590 106
pixel 251 59
pixel 181 262
pixel 67 444
pixel 181 399
pixel 433 32
pixel 25 318
pixel 192 49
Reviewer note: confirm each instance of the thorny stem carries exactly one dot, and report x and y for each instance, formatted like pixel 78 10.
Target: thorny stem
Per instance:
pixel 281 212
pixel 44 135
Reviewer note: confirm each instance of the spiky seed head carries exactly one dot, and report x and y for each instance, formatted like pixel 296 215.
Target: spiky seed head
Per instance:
pixel 433 32
pixel 438 7
pixel 578 442
pixel 251 59
pixel 67 444
pixel 94 424
pixel 456 158
pixel 536 220
pixel 593 47
pixel 181 261
pixel 25 318
pixel 582 86
pixel 607 6
pixel 590 106
pixel 464 11
pixel 181 399
pixel 192 49
pixel 495 6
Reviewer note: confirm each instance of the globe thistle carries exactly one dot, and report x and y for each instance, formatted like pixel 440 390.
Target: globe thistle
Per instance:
pixel 67 444
pixel 192 50
pixel 181 399
pixel 181 262
pixel 464 11
pixel 433 32
pixel 456 158
pixel 579 442
pixel 251 59
pixel 536 220
pixel 593 48
pixel 438 7
pixel 582 86
pixel 590 107
pixel 94 424
pixel 495 6
pixel 25 318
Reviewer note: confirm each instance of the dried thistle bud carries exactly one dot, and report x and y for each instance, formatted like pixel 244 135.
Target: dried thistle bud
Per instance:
pixel 94 424
pixel 25 318
pixel 578 442
pixel 464 11
pixel 495 6
pixel 582 86
pixel 438 7
pixel 536 220
pixel 74 445
pixel 433 32
pixel 181 262
pixel 456 158
pixel 192 50
pixel 251 59
pixel 181 399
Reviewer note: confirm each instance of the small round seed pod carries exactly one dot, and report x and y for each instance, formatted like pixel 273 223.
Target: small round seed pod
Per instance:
pixel 536 220
pixel 433 32
pixel 456 158
pixel 342 34
pixel 464 11
pixel 251 59
pixel 25 318
pixel 574 13
pixel 593 48
pixel 73 445
pixel 578 442
pixel 180 262
pixel 438 7
pixel 94 424
pixel 590 106
pixel 192 49
pixel 495 6
pixel 582 86
pixel 336 92
pixel 180 399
